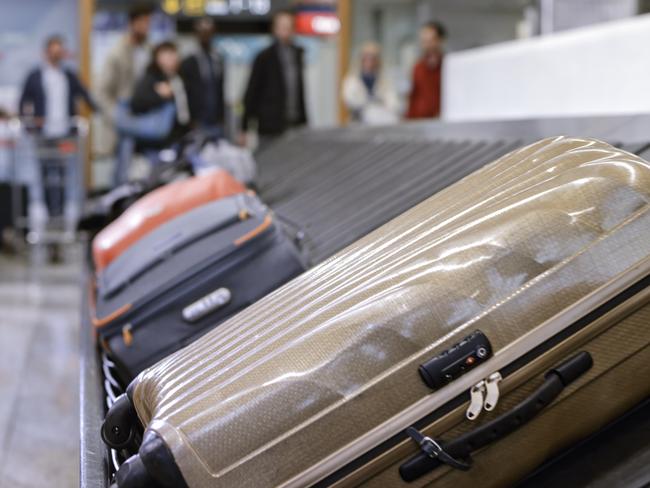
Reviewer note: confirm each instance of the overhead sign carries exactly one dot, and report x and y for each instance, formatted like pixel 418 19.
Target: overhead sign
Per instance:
pixel 317 23
pixel 317 17
pixel 197 8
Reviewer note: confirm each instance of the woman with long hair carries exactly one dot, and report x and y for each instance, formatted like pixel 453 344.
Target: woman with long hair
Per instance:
pixel 161 85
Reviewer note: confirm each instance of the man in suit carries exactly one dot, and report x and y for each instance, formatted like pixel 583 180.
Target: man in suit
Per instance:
pixel 51 92
pixel 203 75
pixel 49 100
pixel 275 96
pixel 125 64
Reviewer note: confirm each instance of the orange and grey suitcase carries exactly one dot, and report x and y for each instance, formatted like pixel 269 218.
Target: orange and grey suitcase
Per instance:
pixel 187 276
pixel 158 207
pixel 460 344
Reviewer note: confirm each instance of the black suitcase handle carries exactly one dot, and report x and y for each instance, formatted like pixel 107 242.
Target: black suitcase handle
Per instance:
pixel 456 453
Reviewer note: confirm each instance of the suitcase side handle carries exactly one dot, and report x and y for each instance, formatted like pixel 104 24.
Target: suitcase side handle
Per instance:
pixel 456 453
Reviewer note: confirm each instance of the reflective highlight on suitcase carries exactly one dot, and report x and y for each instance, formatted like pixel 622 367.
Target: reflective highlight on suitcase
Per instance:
pixel 311 371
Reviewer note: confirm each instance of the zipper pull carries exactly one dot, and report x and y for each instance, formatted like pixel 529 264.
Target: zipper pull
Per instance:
pixel 476 400
pixel 492 388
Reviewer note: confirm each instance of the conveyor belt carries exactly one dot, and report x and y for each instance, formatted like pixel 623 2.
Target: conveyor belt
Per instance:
pixel 345 189
pixel 342 190
pixel 341 184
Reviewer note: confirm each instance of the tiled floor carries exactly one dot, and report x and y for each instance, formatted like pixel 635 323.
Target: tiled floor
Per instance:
pixel 39 356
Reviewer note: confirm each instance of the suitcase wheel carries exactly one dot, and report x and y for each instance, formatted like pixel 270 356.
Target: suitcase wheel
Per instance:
pixel 119 429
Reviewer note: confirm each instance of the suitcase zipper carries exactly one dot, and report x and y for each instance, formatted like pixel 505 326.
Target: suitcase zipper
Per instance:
pixel 492 388
pixel 457 452
pixel 484 395
pixel 476 400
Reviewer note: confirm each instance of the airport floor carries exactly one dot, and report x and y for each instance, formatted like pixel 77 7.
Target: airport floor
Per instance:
pixel 39 369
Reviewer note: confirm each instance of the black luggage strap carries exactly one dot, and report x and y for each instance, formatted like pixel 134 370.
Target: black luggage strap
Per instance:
pixel 300 237
pixel 300 234
pixel 434 452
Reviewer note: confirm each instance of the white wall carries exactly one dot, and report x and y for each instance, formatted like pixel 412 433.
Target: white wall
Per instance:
pixel 603 69
pixel 321 80
pixel 473 23
pixel 470 24
pixel 24 26
pixel 569 14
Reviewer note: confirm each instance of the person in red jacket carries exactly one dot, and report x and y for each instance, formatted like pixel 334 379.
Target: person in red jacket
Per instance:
pixel 424 101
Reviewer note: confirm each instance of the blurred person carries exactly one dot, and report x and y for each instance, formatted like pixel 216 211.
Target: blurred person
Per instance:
pixel 50 97
pixel 203 75
pixel 162 85
pixel 424 101
pixel 275 95
pixel 125 64
pixel 368 95
pixel 51 92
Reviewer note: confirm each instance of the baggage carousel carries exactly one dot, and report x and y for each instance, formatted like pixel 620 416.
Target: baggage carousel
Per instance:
pixel 337 185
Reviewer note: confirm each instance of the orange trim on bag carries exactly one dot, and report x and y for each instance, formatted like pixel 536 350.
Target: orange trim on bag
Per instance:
pixel 255 232
pixel 127 335
pixel 97 322
pixel 105 345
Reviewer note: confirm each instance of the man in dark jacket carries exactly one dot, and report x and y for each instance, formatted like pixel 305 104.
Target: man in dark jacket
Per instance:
pixel 49 100
pixel 203 75
pixel 51 92
pixel 275 96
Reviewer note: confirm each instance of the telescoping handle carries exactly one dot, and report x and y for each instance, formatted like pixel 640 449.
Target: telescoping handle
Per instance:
pixel 456 453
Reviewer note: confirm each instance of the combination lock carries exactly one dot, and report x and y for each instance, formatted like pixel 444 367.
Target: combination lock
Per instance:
pixel 456 361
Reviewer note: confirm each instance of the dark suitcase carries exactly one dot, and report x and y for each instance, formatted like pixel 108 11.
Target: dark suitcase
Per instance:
pixel 187 276
pixel 6 217
pixel 499 321
pixel 13 205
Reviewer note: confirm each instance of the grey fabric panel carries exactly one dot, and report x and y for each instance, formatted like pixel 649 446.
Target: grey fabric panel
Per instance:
pixel 166 239
pixel 145 255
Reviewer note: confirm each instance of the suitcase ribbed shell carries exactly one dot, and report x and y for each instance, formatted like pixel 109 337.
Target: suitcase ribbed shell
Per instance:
pixel 315 366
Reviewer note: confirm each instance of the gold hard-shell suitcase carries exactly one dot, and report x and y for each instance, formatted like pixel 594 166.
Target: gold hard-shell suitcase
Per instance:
pixel 463 342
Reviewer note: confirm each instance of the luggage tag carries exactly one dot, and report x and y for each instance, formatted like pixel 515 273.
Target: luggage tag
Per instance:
pixel 207 305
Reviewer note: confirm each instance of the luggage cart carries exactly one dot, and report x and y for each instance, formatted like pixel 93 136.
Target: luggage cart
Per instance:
pixel 60 170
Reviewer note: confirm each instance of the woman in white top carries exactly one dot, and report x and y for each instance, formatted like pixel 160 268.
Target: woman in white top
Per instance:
pixel 368 95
